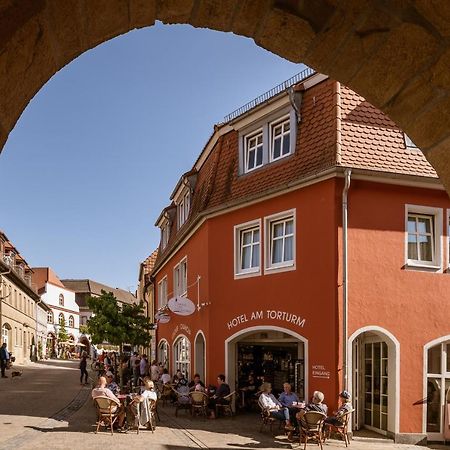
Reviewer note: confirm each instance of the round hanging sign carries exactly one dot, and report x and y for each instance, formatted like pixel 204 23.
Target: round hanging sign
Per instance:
pixel 181 306
pixel 162 317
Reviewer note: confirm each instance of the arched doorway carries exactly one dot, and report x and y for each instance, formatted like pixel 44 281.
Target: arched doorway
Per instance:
pixel 6 335
pixel 374 363
pixel 200 355
pixel 436 388
pixel 277 353
pixel 163 354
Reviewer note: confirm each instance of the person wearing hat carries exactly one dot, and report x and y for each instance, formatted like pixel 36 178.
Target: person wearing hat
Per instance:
pixel 345 407
pixel 112 385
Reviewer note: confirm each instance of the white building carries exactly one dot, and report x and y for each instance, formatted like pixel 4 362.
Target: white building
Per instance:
pixel 63 307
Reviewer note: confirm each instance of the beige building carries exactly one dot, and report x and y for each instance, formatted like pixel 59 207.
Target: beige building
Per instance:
pixel 145 294
pixel 18 299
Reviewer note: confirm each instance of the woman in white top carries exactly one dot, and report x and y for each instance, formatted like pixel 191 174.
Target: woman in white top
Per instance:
pixel 275 408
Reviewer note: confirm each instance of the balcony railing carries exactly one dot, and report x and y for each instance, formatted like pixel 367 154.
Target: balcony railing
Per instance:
pixel 269 94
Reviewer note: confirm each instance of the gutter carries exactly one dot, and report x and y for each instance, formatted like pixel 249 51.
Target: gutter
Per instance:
pixel 347 175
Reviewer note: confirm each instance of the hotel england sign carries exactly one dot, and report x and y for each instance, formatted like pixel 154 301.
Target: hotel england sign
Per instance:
pixel 268 314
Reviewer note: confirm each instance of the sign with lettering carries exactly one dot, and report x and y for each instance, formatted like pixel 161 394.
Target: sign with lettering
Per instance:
pixel 181 328
pixel 270 314
pixel 162 317
pixel 319 371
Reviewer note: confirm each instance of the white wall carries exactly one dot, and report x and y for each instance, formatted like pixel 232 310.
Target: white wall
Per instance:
pixel 70 308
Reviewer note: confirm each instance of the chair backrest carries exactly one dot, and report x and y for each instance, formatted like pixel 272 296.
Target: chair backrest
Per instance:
pixel 313 419
pixel 198 397
pixel 229 396
pixel 345 417
pixel 105 403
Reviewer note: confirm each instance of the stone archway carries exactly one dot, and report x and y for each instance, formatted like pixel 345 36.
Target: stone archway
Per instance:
pixel 396 54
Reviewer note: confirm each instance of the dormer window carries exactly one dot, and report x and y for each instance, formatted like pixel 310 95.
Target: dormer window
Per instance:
pixel 268 140
pixel 165 230
pixel 183 208
pixel 409 144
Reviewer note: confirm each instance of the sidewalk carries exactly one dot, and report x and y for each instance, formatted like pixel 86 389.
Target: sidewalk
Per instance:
pixel 47 409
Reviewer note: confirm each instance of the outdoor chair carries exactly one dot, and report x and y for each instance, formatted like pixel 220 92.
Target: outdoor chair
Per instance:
pixel 146 414
pixel 107 412
pixel 166 393
pixel 266 419
pixel 199 403
pixel 311 427
pixel 183 400
pixel 227 407
pixel 342 430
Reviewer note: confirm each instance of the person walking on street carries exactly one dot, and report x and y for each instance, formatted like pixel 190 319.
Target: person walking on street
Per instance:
pixel 83 371
pixel 4 358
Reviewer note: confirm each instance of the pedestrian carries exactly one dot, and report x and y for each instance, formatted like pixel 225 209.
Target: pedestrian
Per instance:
pixel 4 359
pixel 154 371
pixel 143 366
pixel 83 371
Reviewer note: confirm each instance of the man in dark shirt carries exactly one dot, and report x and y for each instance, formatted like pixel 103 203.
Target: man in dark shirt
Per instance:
pixel 222 391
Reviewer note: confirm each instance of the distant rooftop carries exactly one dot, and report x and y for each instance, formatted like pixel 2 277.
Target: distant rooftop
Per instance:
pixel 269 94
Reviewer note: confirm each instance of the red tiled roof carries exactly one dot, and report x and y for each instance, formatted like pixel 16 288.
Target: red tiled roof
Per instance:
pixel 371 141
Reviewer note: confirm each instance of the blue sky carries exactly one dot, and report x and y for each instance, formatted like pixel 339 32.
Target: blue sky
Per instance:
pixel 97 152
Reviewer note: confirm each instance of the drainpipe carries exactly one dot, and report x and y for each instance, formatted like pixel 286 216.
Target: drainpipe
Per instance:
pixel 347 175
pixel 1 298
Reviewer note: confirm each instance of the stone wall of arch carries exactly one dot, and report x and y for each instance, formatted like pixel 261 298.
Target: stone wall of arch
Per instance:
pixel 396 54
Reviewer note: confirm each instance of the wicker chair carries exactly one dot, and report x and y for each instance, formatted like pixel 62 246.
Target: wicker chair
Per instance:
pixel 311 427
pixel 166 393
pixel 266 419
pixel 342 430
pixel 199 403
pixel 227 407
pixel 107 412
pixel 183 401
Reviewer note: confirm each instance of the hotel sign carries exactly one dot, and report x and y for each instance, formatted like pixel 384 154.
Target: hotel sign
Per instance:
pixel 268 314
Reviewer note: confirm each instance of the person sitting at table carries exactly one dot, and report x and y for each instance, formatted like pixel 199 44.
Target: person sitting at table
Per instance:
pixel 275 408
pixel 289 399
pixel 179 379
pixel 196 382
pixel 138 400
pixel 102 391
pixel 111 384
pixel 249 389
pixel 315 405
pixel 345 406
pixel 165 377
pixel 218 398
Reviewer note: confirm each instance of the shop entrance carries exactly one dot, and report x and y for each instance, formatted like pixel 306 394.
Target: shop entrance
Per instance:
pixel 275 355
pixel 374 358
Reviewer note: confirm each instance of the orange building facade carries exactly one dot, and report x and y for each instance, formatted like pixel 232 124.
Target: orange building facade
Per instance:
pixel 312 237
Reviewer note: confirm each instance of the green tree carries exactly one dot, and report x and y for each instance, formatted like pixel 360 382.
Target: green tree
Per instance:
pixel 62 332
pixel 117 324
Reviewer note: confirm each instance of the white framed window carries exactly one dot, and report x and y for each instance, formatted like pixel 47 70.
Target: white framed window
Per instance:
pixel 61 319
pixel 280 143
pixel 183 208
pixel 180 278
pixel 423 236
pixel 61 300
pixel 71 321
pixel 247 249
pixel 162 293
pixel 253 151
pixel 165 232
pixel 267 140
pixel 280 241
pixel 182 355
pixel 50 318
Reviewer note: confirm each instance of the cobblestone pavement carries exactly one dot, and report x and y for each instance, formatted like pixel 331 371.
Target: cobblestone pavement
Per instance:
pixel 46 408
